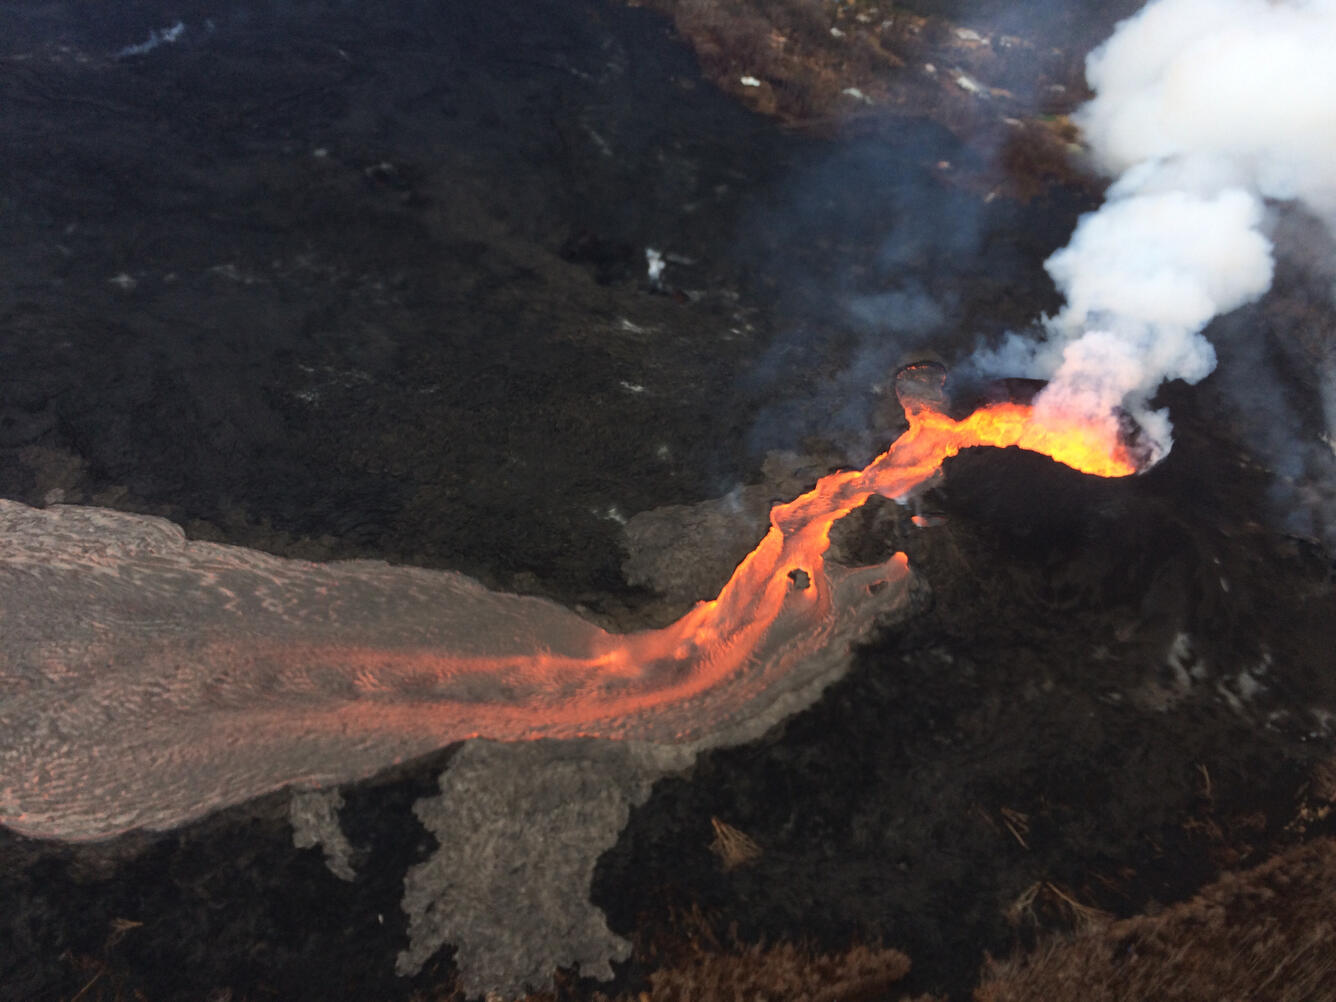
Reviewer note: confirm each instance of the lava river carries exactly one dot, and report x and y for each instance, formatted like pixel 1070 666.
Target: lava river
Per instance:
pixel 146 680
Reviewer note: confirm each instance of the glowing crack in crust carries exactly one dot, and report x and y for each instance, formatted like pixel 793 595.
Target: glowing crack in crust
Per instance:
pixel 146 680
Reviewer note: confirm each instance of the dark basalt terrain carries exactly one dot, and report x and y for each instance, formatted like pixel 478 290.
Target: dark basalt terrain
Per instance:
pixel 337 280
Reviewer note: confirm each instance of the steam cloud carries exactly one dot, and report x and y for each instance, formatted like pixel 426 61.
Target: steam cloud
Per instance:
pixel 1204 111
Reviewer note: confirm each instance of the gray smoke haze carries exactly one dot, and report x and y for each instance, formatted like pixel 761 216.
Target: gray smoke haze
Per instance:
pixel 873 257
pixel 1205 112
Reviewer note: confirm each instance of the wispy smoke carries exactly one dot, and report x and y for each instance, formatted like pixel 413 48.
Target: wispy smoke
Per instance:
pixel 1204 111
pixel 155 38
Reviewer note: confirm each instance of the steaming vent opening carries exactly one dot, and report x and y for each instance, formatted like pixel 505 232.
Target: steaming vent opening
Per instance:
pixel 924 387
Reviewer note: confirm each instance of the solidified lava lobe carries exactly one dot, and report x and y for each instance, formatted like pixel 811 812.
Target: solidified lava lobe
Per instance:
pixel 148 680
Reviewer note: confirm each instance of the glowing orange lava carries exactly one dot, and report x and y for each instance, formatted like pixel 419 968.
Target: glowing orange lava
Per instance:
pixel 156 679
pixel 1082 446
pixel 763 621
pixel 758 595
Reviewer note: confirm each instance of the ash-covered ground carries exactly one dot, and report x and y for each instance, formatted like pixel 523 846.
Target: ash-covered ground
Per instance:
pixel 331 280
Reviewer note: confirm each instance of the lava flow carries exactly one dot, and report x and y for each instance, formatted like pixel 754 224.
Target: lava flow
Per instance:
pixel 1082 445
pixel 794 548
pixel 150 679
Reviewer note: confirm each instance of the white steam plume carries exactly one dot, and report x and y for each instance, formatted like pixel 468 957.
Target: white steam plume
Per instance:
pixel 1204 110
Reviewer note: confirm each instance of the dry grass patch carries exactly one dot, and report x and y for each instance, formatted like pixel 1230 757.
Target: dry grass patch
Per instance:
pixel 784 971
pixel 1266 933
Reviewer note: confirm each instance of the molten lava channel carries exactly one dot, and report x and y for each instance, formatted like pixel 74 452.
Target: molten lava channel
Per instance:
pixel 146 680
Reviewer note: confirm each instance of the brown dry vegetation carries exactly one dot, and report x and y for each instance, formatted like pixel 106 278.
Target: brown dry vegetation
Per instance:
pixel 1267 933
pixel 806 54
pixel 826 64
pixel 784 971
pixel 1264 934
pixel 733 847
pixel 786 45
